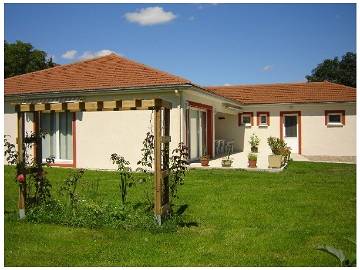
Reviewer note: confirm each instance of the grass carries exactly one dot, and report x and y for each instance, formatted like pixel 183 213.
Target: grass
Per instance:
pixel 244 219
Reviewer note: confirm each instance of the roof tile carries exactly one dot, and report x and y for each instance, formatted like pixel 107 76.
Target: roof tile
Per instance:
pixel 111 71
pixel 308 92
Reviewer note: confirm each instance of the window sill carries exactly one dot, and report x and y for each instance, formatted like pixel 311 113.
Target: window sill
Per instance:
pixel 334 125
pixel 247 125
pixel 263 126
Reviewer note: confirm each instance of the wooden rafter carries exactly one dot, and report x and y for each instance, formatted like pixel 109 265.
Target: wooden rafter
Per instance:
pixel 114 105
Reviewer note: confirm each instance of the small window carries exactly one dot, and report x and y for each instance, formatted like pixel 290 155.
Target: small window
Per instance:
pixel 246 119
pixel 263 119
pixel 334 118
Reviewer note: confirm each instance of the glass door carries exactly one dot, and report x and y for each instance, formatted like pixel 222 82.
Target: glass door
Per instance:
pixel 197 136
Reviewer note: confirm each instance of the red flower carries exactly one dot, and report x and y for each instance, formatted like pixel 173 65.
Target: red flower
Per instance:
pixel 21 178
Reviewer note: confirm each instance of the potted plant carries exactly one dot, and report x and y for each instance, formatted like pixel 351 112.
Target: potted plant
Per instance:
pixel 254 143
pixel 252 158
pixel 227 161
pixel 204 160
pixel 280 152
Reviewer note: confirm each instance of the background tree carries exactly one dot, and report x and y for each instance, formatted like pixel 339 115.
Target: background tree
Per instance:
pixel 333 70
pixel 21 58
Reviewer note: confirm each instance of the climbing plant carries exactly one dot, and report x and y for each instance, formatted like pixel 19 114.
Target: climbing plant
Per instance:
pixel 30 175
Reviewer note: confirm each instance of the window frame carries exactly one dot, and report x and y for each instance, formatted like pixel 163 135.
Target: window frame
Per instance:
pixel 341 113
pixel 258 122
pixel 65 162
pixel 250 114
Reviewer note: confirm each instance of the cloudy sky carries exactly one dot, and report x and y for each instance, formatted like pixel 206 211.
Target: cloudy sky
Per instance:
pixel 210 44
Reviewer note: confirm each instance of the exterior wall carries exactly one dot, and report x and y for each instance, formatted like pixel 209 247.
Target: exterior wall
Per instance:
pixel 217 105
pixel 316 137
pixel 10 123
pixel 227 128
pixel 99 134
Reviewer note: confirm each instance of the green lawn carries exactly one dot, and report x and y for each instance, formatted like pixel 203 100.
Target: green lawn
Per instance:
pixel 244 219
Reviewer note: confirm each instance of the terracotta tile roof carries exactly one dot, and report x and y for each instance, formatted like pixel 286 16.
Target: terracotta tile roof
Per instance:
pixel 111 71
pixel 308 92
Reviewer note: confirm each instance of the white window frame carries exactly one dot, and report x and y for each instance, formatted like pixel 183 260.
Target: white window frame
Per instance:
pixel 57 146
pixel 334 124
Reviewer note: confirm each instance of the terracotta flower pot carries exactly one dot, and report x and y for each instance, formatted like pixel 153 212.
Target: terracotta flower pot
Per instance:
pixel 204 162
pixel 252 163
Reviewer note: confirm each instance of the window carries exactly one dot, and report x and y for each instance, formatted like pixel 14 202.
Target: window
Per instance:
pixel 246 119
pixel 263 119
pixel 58 140
pixel 334 118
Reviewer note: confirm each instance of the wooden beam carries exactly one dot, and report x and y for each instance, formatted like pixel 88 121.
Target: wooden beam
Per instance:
pixel 112 105
pixel 38 143
pixel 157 161
pixel 21 160
pixel 166 165
pixel 25 107
pixel 41 107
pixel 58 107
pixel 117 105
pixel 75 106
pixel 148 103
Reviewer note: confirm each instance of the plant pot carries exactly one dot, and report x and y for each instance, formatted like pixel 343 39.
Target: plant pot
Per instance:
pixel 252 163
pixel 204 162
pixel 226 162
pixel 254 149
pixel 275 161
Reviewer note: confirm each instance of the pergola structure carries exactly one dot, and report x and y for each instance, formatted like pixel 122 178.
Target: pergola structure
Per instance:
pixel 162 138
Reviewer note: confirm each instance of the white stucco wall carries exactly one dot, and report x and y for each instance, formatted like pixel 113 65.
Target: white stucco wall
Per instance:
pixel 10 123
pixel 99 134
pixel 316 137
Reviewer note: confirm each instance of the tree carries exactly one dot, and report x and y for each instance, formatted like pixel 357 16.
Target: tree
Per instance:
pixel 333 70
pixel 21 58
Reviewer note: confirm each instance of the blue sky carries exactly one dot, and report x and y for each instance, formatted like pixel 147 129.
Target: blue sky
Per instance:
pixel 208 44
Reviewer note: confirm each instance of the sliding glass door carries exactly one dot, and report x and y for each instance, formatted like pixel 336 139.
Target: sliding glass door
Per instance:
pixel 197 136
pixel 58 140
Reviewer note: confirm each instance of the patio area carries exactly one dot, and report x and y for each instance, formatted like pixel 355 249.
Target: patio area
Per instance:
pixel 240 161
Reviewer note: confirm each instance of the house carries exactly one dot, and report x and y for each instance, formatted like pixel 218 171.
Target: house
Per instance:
pixel 313 118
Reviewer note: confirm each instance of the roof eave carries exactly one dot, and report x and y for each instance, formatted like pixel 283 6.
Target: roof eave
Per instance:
pixel 99 91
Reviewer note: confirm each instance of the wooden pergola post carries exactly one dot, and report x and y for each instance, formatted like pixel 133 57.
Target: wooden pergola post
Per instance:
pixel 21 160
pixel 157 161
pixel 38 142
pixel 161 152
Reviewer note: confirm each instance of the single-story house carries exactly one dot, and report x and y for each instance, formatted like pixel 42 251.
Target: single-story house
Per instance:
pixel 315 118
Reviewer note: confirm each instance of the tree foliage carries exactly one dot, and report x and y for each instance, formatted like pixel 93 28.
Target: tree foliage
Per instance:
pixel 21 58
pixel 337 71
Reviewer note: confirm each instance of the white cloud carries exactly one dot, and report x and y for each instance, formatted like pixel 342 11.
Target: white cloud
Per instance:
pixel 69 54
pixel 90 54
pixel 227 84
pixel 267 68
pixel 150 16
